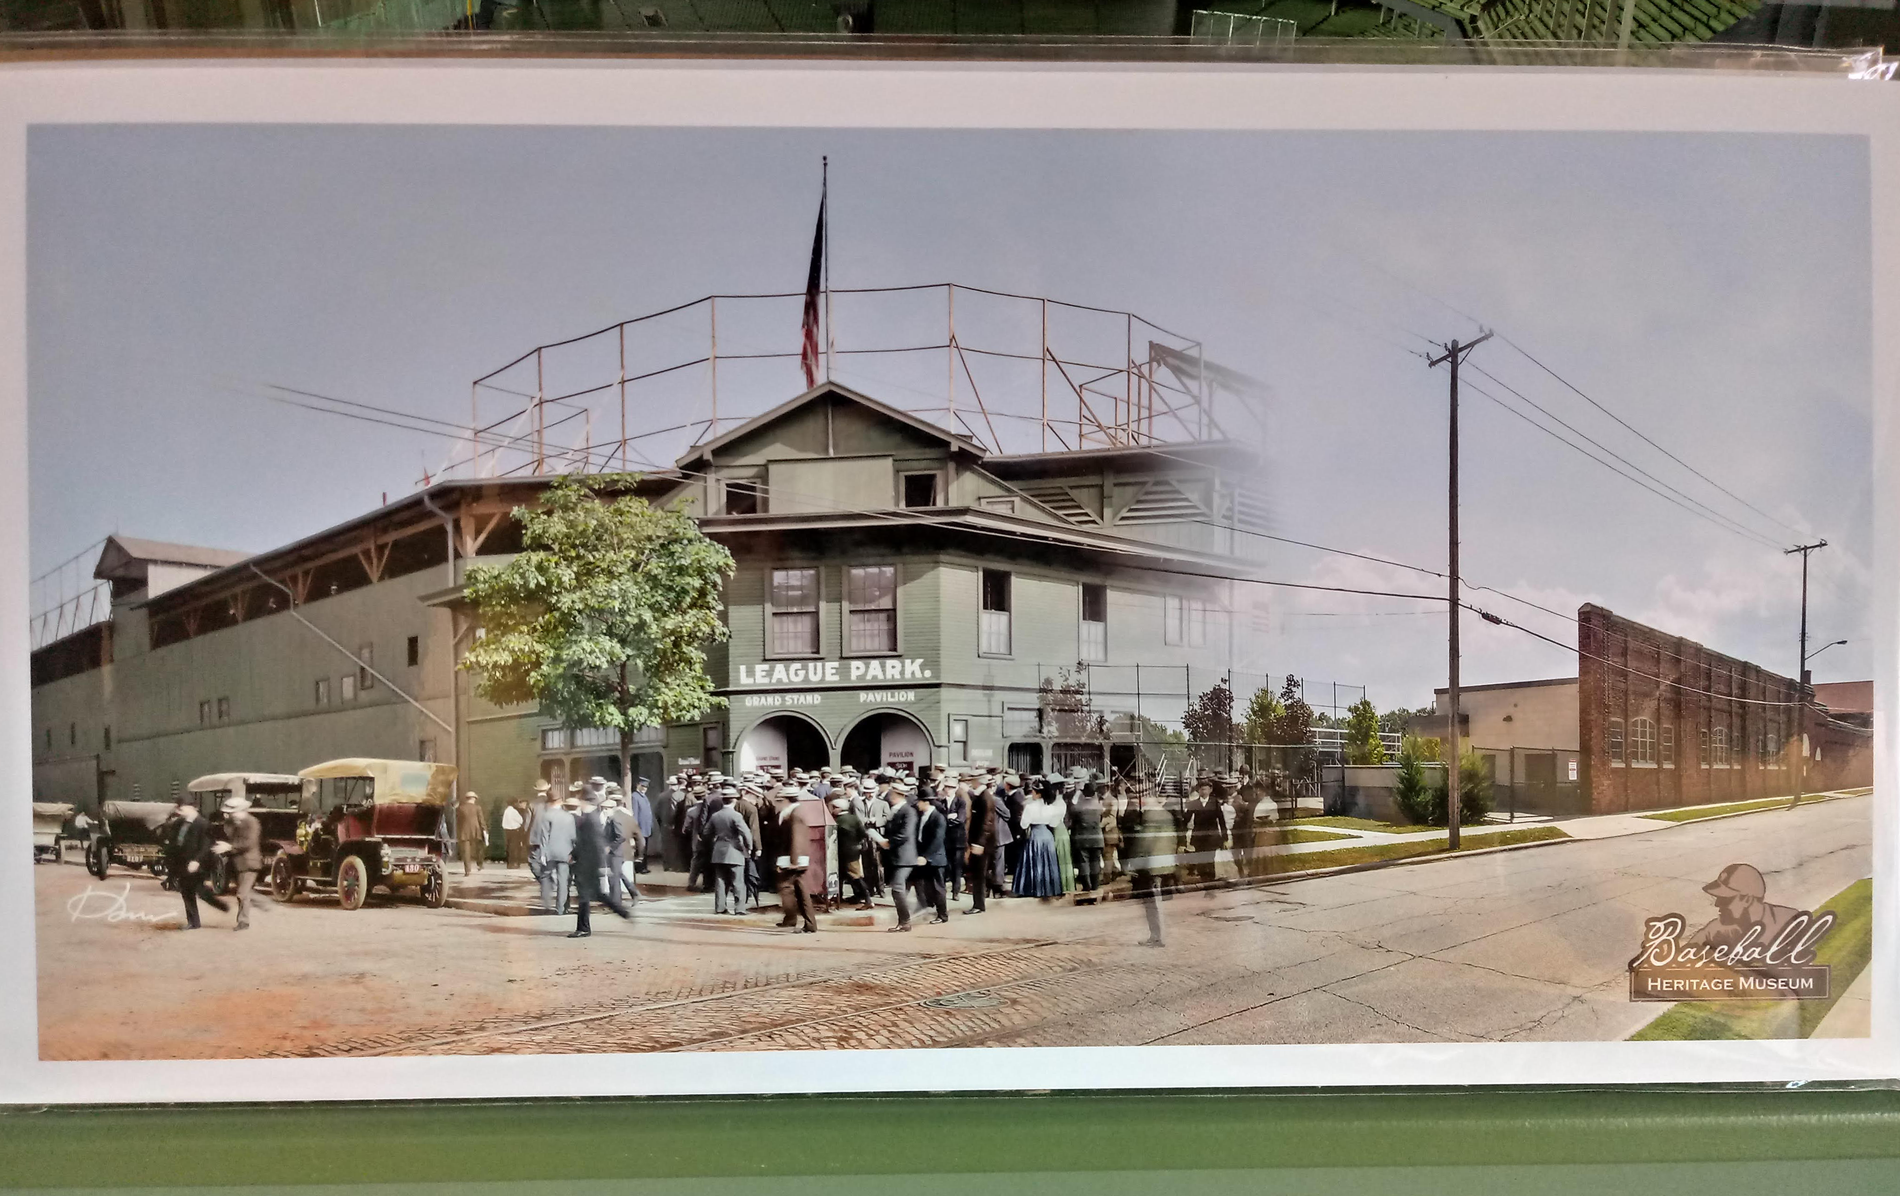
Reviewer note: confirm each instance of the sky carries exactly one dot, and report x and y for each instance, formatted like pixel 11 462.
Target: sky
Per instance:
pixel 1711 292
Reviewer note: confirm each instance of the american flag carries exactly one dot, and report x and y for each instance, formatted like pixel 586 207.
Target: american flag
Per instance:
pixel 808 354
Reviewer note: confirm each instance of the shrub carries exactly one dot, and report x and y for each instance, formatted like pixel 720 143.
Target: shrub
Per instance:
pixel 1423 799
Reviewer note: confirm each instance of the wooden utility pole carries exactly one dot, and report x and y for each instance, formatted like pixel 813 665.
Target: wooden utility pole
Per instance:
pixel 1454 353
pixel 1801 674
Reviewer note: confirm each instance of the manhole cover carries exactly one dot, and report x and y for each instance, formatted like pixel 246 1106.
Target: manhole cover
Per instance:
pixel 970 1000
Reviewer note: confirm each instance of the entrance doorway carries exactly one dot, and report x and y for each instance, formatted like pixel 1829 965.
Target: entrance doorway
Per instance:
pixel 886 740
pixel 783 741
pixel 1025 757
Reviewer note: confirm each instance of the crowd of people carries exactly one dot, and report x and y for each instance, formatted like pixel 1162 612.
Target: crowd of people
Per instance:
pixel 975 834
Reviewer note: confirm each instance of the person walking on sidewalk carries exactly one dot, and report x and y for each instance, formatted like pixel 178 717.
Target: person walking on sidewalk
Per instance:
pixel 732 845
pixel 471 832
pixel 622 840
pixel 246 858
pixel 1150 857
pixel 899 842
pixel 188 855
pixel 877 815
pixel 590 859
pixel 956 817
pixel 794 836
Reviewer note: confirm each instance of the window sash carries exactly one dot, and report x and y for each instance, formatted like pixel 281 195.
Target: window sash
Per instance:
pixel 1616 741
pixel 1094 640
pixel 996 633
pixel 871 587
pixel 795 633
pixel 794 589
pixel 872 631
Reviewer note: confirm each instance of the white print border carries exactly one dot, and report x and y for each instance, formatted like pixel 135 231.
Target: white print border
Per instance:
pixel 931 95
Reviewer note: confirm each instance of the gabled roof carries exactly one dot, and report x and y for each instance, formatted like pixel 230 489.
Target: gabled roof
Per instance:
pixel 702 452
pixel 125 559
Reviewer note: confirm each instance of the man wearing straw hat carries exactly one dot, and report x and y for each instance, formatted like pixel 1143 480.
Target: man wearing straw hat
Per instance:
pixel 246 843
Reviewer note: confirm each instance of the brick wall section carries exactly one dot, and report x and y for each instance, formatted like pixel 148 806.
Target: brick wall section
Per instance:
pixel 1692 701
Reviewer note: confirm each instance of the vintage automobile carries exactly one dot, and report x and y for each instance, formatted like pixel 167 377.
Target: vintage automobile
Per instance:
pixel 128 834
pixel 49 820
pixel 369 823
pixel 276 802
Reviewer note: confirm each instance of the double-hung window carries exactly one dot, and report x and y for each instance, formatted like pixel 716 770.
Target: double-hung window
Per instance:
pixel 995 635
pixel 1094 623
pixel 794 620
pixel 870 595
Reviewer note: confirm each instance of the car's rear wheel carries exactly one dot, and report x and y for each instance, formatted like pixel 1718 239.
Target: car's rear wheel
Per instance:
pixel 352 882
pixel 218 876
pixel 435 889
pixel 283 879
pixel 99 858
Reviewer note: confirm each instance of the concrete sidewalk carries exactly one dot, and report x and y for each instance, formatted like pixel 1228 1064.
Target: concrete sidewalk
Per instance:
pixel 1852 1015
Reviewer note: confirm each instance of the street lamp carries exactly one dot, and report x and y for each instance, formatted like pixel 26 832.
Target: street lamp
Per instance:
pixel 1823 648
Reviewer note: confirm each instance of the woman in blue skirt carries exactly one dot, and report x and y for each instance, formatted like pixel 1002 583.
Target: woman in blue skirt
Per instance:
pixel 1038 874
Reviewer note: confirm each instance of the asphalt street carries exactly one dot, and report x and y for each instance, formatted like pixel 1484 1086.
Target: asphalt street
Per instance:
pixel 1515 945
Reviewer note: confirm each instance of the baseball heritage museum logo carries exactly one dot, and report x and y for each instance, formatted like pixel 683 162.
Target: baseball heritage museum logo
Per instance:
pixel 1751 950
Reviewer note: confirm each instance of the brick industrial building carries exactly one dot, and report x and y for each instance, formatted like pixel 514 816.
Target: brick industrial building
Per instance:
pixel 1652 721
pixel 1663 721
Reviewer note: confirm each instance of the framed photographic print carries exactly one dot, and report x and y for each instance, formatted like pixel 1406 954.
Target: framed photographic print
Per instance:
pixel 618 578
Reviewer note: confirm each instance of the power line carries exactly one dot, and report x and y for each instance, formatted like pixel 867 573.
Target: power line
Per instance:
pixel 1725 526
pixel 1573 388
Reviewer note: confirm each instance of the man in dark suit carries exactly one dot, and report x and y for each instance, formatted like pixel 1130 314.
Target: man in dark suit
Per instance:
pixel 1013 800
pixel 899 840
pixel 590 856
pixel 956 816
pixel 622 840
pixel 794 846
pixel 187 858
pixel 932 831
pixel 981 824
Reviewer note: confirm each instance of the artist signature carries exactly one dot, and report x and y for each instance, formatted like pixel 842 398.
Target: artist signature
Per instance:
pixel 104 905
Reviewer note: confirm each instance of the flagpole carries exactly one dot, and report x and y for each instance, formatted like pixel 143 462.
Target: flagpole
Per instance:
pixel 824 207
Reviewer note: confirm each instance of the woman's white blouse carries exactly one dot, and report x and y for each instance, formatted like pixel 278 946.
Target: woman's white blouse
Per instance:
pixel 1046 813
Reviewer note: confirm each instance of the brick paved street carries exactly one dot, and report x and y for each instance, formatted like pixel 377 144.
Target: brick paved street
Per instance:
pixel 1527 944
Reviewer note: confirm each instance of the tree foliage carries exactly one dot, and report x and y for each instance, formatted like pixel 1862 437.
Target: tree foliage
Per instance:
pixel 1363 745
pixel 1262 719
pixel 1423 797
pixel 1067 707
pixel 605 615
pixel 1210 717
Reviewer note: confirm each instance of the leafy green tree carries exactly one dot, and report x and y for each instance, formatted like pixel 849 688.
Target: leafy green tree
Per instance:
pixel 1262 718
pixel 605 615
pixel 1210 717
pixel 1295 725
pixel 1363 745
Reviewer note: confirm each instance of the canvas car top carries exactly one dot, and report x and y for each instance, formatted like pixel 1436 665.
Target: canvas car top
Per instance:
pixel 396 780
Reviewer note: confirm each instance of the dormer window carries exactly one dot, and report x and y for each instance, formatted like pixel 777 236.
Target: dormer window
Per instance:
pixel 920 490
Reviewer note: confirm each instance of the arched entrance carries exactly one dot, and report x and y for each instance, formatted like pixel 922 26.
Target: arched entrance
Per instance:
pixel 886 739
pixel 784 741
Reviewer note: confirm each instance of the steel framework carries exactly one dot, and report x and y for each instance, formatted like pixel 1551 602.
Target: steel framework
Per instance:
pixel 1016 373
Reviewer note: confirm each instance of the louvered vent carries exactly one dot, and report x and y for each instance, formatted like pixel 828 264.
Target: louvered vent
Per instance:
pixel 1250 509
pixel 1059 500
pixel 1162 502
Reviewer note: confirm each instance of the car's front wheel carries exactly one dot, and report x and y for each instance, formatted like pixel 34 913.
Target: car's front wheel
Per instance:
pixel 435 889
pixel 352 882
pixel 99 858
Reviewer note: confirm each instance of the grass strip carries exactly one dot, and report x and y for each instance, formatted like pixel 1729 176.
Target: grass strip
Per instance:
pixel 1845 951
pixel 1373 853
pixel 1295 834
pixel 1739 807
pixel 1366 824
